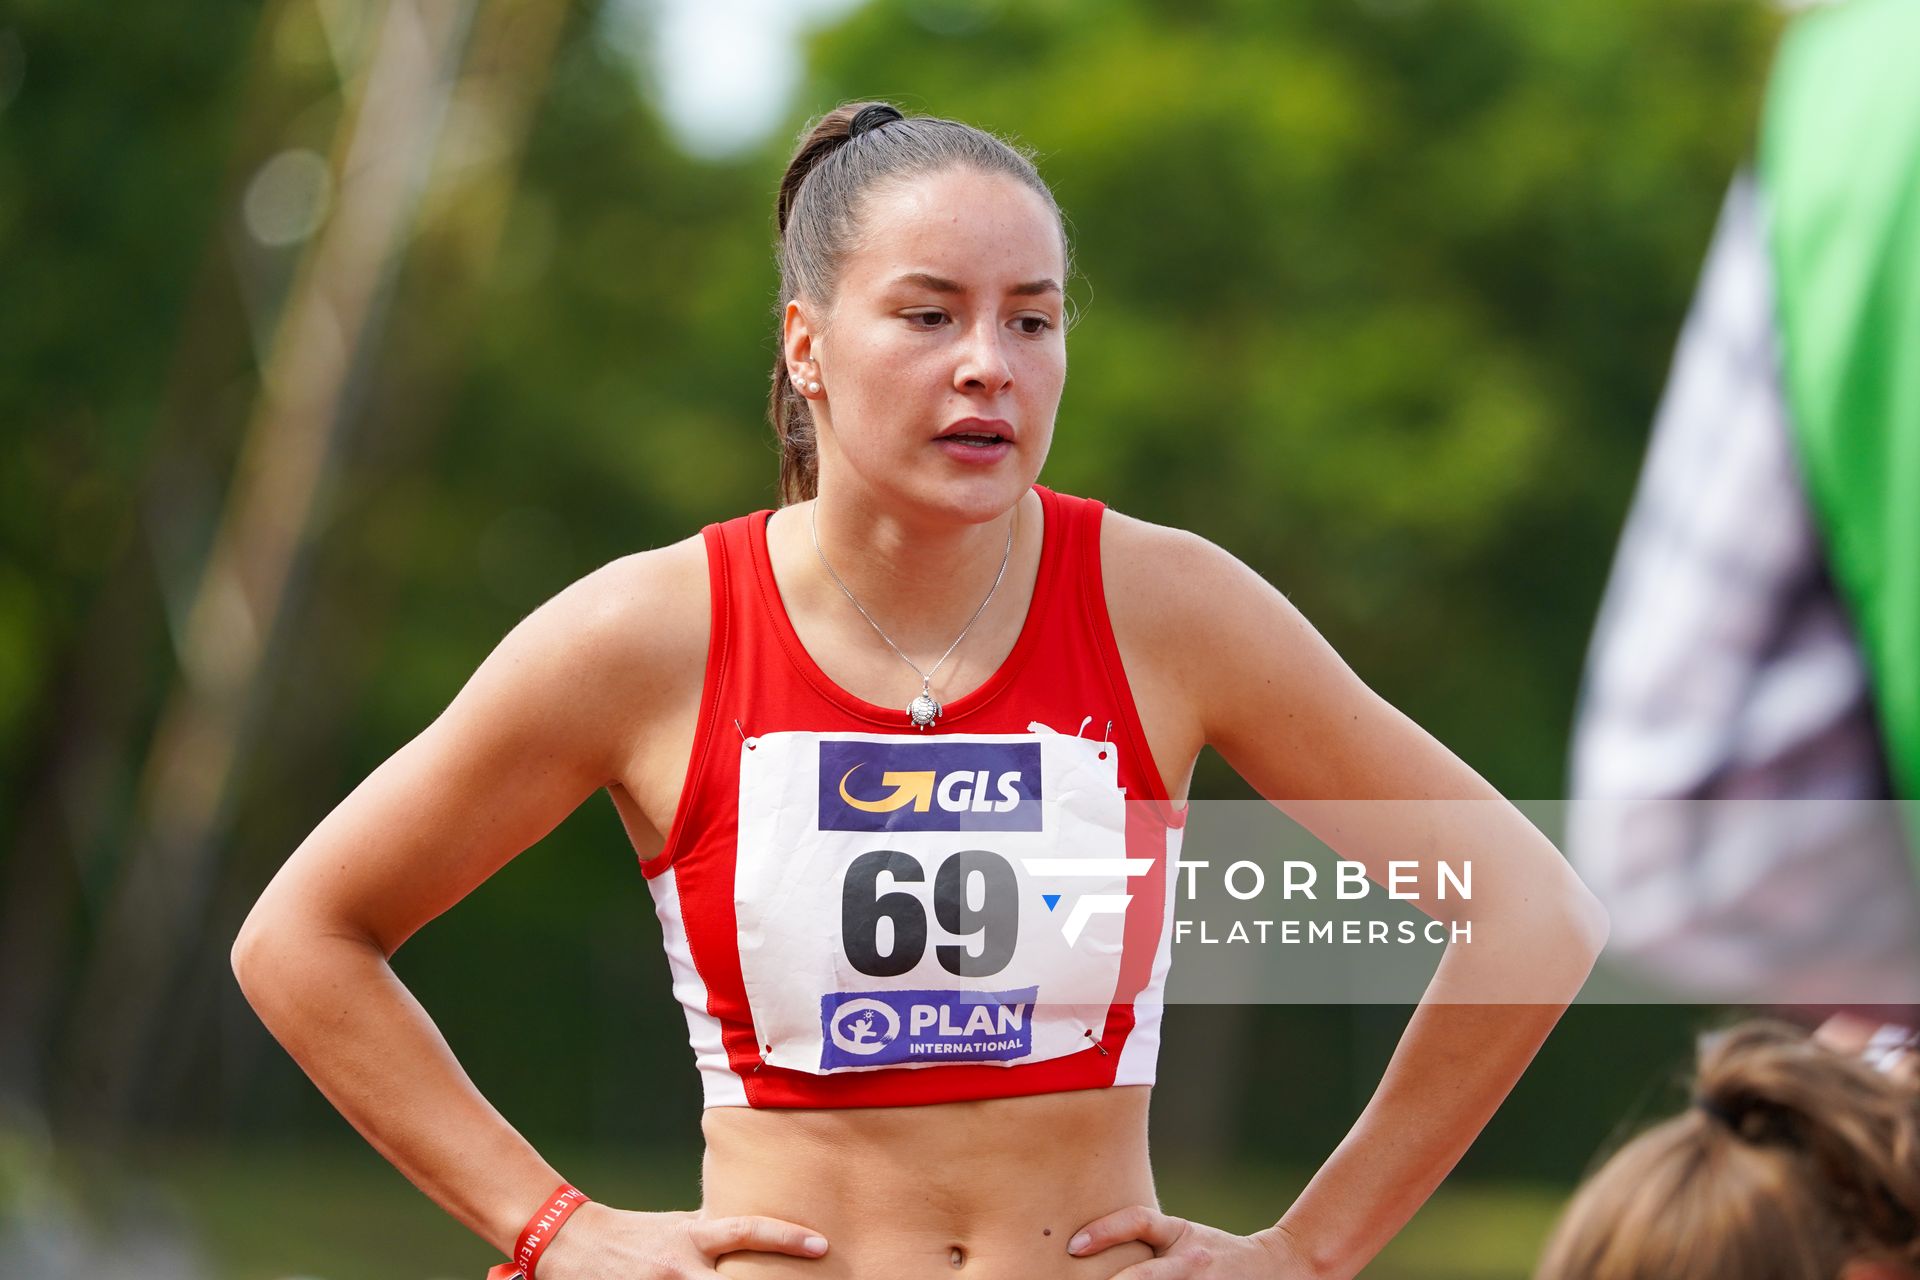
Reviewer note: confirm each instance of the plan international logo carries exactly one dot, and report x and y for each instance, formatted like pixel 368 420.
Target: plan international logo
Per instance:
pixel 929 786
pixel 880 1028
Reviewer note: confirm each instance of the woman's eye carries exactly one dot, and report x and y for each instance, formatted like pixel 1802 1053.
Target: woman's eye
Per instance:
pixel 1036 325
pixel 915 317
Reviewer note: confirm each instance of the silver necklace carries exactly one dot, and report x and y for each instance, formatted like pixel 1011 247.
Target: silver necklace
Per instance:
pixel 925 708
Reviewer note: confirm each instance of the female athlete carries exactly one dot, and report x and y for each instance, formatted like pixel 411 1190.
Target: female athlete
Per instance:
pixel 904 763
pixel 1800 1157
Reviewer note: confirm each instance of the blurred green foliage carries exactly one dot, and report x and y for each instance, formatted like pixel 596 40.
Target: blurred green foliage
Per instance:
pixel 1377 294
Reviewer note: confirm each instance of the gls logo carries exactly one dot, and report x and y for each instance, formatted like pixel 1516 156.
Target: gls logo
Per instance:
pixel 929 786
pixel 957 792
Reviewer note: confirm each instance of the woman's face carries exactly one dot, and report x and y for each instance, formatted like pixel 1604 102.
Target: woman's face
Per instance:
pixel 949 308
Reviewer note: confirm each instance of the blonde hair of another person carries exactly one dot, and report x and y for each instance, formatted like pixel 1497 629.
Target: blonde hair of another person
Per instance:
pixel 1797 1161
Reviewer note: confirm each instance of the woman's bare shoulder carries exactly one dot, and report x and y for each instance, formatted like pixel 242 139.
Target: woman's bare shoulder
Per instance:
pixel 1203 622
pixel 643 619
pixel 610 665
pixel 1149 570
pixel 1170 581
pixel 1130 535
pixel 610 655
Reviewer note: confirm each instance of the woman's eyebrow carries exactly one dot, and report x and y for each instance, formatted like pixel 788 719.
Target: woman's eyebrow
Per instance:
pixel 940 284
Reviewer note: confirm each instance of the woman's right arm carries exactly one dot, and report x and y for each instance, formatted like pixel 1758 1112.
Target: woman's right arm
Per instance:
pixel 548 719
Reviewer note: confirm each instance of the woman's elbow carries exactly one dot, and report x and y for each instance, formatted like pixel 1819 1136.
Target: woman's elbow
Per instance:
pixel 267 937
pixel 251 951
pixel 1591 924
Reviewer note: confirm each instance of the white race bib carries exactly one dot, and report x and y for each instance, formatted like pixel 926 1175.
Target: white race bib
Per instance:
pixel 918 901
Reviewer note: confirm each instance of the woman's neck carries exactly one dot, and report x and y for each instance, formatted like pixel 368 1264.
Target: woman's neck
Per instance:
pixel 920 580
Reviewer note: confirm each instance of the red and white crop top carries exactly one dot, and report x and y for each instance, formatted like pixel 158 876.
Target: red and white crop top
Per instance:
pixel 861 914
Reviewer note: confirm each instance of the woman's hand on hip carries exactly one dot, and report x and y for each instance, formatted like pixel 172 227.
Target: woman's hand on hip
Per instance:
pixel 1182 1248
pixel 603 1243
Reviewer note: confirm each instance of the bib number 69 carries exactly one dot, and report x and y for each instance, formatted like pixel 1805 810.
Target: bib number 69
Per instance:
pixel 996 920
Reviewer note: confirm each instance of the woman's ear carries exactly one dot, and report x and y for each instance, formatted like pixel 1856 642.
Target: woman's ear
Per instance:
pixel 797 334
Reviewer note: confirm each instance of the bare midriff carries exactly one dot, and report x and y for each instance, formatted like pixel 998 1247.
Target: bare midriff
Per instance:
pixel 986 1190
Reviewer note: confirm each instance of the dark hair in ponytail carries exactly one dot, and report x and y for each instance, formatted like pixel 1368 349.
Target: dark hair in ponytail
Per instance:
pixel 1794 1160
pixel 841 157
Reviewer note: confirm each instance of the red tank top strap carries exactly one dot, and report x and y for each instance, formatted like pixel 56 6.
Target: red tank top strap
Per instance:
pixel 722 609
pixel 1092 628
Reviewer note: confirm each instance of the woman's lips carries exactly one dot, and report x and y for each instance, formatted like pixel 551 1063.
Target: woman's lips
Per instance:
pixel 974 454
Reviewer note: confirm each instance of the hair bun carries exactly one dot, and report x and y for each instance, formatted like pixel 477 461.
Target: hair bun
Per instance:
pixel 871 117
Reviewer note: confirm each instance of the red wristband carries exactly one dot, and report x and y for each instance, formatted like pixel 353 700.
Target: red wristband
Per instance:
pixel 535 1236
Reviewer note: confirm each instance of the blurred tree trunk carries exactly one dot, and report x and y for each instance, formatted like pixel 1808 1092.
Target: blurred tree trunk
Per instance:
pixel 73 794
pixel 427 147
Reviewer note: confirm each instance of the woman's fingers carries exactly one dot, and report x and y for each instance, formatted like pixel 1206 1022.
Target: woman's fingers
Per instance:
pixel 715 1236
pixel 1890 1049
pixel 1135 1222
pixel 1845 1032
pixel 1192 1262
pixel 1886 1046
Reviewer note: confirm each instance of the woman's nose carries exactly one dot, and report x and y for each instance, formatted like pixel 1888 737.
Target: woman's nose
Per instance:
pixel 983 365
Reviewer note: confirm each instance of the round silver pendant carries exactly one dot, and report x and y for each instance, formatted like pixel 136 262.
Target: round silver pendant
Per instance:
pixel 923 710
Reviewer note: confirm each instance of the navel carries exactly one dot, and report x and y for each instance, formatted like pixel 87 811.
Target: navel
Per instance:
pixel 956 1257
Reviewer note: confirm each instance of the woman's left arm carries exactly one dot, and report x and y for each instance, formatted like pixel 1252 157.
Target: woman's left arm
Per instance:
pixel 1292 719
